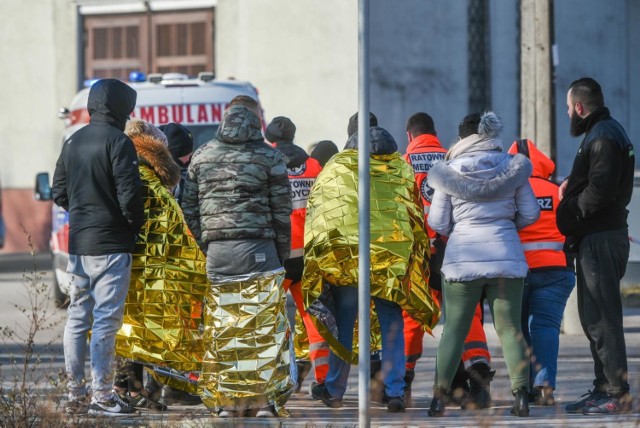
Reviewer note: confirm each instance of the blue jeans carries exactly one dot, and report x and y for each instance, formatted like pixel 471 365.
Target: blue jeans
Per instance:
pixel 544 299
pixel 391 326
pixel 99 286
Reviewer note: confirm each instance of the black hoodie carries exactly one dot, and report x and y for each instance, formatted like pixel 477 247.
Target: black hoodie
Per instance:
pixel 97 179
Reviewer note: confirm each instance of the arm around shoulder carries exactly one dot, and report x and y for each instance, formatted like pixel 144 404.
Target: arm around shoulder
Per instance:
pixel 440 213
pixel 527 208
pixel 126 175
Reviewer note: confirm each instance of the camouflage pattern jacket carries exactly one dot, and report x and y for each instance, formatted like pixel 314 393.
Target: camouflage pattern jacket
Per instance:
pixel 237 186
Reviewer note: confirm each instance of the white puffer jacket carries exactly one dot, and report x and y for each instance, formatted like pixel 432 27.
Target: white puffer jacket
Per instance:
pixel 482 197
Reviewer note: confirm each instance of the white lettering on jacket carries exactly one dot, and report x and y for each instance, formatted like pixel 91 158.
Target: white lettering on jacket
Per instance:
pixel 423 162
pixel 300 190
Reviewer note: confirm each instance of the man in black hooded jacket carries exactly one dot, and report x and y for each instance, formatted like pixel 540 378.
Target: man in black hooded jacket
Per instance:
pixel 98 183
pixel 593 215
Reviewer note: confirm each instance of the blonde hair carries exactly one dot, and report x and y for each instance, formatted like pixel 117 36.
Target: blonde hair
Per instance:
pixel 136 127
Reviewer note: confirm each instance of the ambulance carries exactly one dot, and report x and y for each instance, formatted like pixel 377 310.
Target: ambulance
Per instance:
pixel 197 103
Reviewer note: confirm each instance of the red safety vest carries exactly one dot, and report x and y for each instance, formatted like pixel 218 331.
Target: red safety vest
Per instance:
pixel 301 180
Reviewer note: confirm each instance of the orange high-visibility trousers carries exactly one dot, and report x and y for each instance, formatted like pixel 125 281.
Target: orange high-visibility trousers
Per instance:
pixel 318 347
pixel 475 345
pixel 475 348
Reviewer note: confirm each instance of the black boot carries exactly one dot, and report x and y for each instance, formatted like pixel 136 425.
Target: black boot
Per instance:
pixel 408 380
pixel 377 382
pixel 459 386
pixel 479 397
pixel 521 403
pixel 304 367
pixel 437 406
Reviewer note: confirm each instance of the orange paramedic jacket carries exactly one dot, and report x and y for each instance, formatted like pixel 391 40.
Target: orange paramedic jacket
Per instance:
pixel 301 180
pixel 423 152
pixel 542 241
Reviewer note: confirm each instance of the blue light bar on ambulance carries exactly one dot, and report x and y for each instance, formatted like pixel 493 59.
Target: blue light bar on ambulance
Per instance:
pixel 137 76
pixel 89 82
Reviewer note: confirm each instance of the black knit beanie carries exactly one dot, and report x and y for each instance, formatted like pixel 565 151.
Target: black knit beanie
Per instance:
pixel 280 130
pixel 323 151
pixel 179 138
pixel 353 123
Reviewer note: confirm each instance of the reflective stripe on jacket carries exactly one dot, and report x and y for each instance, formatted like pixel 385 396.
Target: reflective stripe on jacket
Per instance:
pixel 542 241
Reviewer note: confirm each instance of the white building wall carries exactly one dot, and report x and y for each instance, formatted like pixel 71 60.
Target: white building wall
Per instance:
pixel 301 55
pixel 38 47
pixel 38 44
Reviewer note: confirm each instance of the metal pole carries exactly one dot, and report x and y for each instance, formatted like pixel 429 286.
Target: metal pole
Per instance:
pixel 364 264
pixel 80 45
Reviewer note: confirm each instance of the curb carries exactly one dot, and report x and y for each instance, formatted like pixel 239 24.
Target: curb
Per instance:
pixel 25 262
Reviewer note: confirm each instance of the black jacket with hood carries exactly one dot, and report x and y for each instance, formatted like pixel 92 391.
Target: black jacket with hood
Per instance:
pixel 97 179
pixel 601 179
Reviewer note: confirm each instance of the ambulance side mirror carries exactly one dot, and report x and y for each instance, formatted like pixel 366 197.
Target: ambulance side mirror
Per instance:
pixel 63 113
pixel 43 188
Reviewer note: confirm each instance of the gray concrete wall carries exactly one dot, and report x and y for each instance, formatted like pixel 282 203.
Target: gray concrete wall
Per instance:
pixel 597 41
pixel 419 63
pixel 505 66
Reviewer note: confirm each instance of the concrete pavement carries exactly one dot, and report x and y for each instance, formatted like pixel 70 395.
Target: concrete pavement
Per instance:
pixel 575 374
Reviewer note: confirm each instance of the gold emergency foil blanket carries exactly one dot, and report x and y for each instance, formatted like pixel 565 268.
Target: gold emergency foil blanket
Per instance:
pixel 163 309
pixel 399 244
pixel 301 340
pixel 249 361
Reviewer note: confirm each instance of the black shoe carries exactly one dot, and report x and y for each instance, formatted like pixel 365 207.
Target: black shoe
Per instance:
pixel 395 404
pixel 319 392
pixel 153 388
pixel 479 396
pixel 542 396
pixel 143 403
pixel 521 403
pixel 586 400
pixel 171 396
pixel 437 406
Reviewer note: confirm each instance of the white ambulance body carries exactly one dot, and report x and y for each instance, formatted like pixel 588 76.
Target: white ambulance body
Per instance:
pixel 196 103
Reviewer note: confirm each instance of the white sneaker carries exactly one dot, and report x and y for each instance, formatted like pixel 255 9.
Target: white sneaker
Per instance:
pixel 223 413
pixel 267 412
pixel 113 406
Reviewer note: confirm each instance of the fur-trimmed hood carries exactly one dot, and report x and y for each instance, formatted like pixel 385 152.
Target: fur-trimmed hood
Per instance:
pixel 484 176
pixel 155 154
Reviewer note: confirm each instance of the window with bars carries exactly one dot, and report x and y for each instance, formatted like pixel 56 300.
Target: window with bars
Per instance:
pixel 116 45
